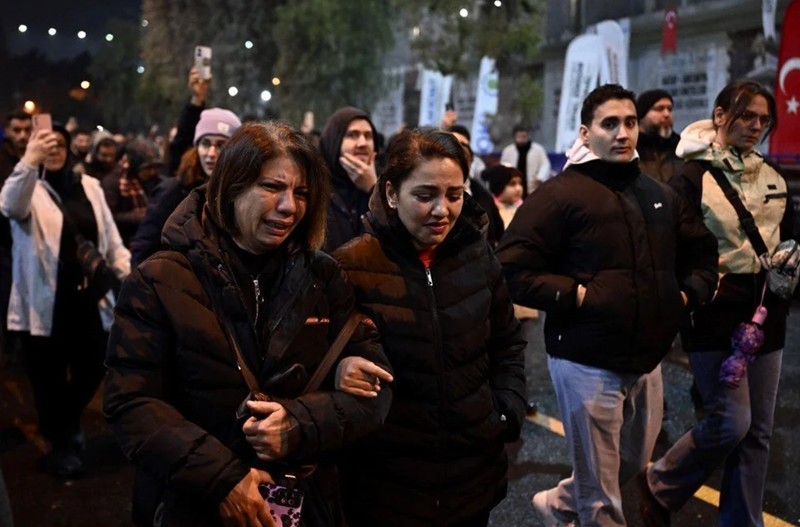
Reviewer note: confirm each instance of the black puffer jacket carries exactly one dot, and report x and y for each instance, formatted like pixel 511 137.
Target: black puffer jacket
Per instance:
pixel 459 388
pixel 173 385
pixel 348 204
pixel 631 241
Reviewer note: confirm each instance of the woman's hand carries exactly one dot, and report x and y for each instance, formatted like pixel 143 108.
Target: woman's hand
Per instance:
pixel 271 431
pixel 41 143
pixel 244 506
pixel 197 87
pixel 358 376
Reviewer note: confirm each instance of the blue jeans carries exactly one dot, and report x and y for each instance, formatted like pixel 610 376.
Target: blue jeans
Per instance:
pixel 735 432
pixel 611 421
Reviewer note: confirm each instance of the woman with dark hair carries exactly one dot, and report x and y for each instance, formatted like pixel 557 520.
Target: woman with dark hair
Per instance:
pixel 720 153
pixel 242 290
pixel 426 275
pixel 63 323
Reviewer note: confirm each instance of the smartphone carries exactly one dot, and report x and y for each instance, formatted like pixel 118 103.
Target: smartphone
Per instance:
pixel 285 504
pixel 202 61
pixel 43 121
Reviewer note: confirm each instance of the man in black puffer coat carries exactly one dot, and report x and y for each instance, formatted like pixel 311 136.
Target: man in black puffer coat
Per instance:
pixel 616 260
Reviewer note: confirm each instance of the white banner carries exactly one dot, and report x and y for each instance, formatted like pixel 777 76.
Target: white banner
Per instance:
pixel 614 69
pixel 581 73
pixel 768 18
pixel 435 92
pixel 388 113
pixel 485 106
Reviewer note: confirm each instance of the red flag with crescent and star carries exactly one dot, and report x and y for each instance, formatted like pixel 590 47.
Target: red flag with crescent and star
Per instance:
pixel 669 31
pixel 786 139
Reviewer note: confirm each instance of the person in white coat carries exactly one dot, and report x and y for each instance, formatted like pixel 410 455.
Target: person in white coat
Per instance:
pixel 529 158
pixel 62 322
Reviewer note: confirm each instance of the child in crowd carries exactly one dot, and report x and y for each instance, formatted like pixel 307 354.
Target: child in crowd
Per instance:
pixel 505 184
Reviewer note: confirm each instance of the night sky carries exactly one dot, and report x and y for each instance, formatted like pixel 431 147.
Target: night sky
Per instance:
pixel 67 17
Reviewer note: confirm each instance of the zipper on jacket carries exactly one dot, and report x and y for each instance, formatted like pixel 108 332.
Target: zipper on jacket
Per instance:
pixel 440 356
pixel 259 298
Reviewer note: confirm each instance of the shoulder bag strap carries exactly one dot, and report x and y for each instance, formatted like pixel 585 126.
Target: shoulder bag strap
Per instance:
pixel 334 351
pixel 745 218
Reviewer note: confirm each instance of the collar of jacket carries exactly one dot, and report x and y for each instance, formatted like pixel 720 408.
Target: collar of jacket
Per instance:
pixel 616 176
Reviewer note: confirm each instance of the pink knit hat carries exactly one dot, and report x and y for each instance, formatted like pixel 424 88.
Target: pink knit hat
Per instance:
pixel 216 121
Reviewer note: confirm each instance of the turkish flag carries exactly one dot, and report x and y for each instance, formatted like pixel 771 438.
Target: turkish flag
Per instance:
pixel 669 31
pixel 786 139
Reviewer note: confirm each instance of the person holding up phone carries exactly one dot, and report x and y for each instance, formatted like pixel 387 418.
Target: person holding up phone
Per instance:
pixel 63 326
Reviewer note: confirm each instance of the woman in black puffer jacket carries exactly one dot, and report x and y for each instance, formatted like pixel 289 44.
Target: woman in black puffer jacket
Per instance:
pixel 425 274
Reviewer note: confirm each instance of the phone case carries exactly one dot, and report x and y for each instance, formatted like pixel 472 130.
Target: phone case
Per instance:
pixel 202 61
pixel 285 504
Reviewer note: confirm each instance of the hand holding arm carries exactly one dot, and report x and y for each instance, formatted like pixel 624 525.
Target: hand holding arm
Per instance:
pixel 244 506
pixel 363 175
pixel 361 377
pixel 272 432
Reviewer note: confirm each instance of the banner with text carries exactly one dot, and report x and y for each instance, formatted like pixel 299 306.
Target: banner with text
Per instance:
pixel 434 94
pixel 581 73
pixel 485 107
pixel 388 113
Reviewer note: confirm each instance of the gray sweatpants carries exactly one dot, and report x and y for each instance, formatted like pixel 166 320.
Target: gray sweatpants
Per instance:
pixel 611 421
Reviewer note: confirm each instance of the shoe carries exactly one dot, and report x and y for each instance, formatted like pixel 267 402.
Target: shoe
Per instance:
pixel 653 513
pixel 539 502
pixel 64 463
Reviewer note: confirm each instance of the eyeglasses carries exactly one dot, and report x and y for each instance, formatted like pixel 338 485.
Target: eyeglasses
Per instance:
pixel 750 117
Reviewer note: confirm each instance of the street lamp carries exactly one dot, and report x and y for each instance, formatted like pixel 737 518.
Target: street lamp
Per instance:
pixel 232 91
pixel 266 95
pixel 140 70
pixel 52 32
pixel 276 81
pixel 85 85
pixel 29 106
pixel 22 28
pixel 464 13
pixel 248 44
pixel 81 34
pixel 109 37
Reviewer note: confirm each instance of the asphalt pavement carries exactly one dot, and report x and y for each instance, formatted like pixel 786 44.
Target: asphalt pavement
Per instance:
pixel 538 461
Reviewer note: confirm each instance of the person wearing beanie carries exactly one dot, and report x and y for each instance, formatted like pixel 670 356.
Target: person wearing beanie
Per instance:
pixel 348 148
pixel 657 140
pixel 213 130
pixel 618 261
pixel 102 157
pixel 61 322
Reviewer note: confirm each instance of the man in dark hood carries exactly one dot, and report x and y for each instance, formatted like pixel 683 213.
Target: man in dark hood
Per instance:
pixel 348 147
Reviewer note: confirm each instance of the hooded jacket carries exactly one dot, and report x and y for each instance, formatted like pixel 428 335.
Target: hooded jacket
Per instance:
pixel 459 381
pixel 630 240
pixel 764 193
pixel 173 384
pixel 348 204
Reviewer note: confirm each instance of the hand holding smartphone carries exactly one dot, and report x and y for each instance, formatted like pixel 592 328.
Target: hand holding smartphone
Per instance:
pixel 202 62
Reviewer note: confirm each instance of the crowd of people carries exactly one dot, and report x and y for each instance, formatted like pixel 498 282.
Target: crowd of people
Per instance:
pixel 339 329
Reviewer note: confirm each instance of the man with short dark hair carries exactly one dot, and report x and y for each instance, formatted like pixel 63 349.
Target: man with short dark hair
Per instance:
pixel 17 133
pixel 528 157
pixel 657 140
pixel 81 143
pixel 615 258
